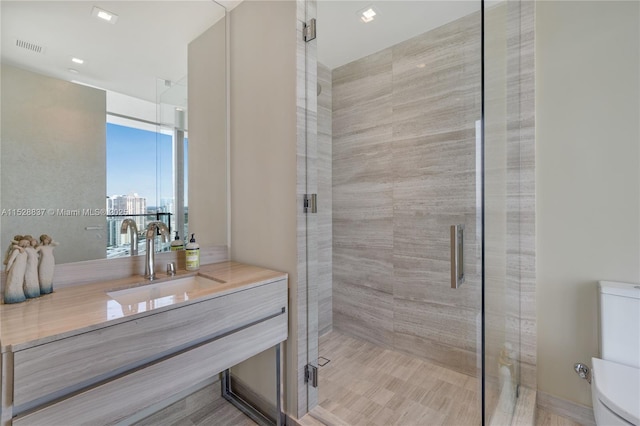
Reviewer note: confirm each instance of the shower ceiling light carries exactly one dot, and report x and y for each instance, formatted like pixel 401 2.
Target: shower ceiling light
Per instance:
pixel 368 14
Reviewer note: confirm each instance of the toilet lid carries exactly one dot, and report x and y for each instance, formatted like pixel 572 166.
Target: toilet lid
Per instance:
pixel 618 387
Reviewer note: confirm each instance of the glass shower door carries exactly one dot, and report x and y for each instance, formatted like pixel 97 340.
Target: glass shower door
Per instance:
pixel 394 148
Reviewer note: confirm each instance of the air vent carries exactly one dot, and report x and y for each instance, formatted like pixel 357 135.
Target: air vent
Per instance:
pixel 32 47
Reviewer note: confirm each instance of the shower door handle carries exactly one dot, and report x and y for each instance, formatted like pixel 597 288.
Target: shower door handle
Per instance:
pixel 457 255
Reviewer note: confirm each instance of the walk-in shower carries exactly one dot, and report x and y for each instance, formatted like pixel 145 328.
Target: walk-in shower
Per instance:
pixel 420 146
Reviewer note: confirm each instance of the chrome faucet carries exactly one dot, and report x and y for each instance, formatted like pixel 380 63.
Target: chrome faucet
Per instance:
pixel 150 263
pixel 130 224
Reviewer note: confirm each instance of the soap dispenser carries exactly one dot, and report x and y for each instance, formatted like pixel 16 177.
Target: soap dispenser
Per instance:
pixel 177 243
pixel 193 254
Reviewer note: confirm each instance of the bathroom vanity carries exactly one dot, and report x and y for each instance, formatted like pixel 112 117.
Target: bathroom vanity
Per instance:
pixel 102 353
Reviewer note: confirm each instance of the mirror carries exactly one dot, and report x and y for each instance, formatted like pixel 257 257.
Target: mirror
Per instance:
pixel 129 109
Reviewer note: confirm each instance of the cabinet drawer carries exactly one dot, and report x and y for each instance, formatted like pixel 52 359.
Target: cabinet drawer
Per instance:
pixel 123 397
pixel 45 372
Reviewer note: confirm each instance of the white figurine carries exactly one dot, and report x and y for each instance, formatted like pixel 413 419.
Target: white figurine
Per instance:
pixel 47 263
pixel 16 267
pixel 15 241
pixel 31 281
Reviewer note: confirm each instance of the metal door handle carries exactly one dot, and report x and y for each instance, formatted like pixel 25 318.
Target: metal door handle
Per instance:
pixel 457 255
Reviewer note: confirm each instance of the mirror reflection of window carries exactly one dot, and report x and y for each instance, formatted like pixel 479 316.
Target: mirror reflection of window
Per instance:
pixel 137 188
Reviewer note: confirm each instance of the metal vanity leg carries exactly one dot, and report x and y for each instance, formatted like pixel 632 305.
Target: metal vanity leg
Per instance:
pixel 279 413
pixel 246 407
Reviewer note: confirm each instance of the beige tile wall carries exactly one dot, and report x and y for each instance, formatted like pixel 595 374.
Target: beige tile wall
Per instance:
pixel 325 204
pixel 363 198
pixel 403 172
pixel 521 198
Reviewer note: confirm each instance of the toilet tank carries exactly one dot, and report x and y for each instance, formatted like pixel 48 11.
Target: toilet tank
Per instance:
pixel 620 322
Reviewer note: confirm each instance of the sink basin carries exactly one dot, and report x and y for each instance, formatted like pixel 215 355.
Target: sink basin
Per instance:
pixel 165 292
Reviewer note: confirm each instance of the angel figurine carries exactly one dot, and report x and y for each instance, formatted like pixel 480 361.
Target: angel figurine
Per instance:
pixel 31 281
pixel 13 242
pixel 16 267
pixel 47 263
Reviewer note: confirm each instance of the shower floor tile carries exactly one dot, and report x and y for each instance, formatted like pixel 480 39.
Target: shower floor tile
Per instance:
pixel 365 384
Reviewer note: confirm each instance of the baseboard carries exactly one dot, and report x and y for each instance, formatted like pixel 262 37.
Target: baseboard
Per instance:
pixel 572 410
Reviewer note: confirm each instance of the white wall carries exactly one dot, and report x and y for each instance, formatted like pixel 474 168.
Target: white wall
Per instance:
pixel 588 181
pixel 263 159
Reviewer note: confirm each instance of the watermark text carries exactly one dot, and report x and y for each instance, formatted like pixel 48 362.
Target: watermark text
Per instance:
pixel 35 212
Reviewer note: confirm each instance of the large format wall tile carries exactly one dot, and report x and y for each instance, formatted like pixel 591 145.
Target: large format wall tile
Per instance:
pixel 363 198
pixel 363 312
pixel 368 267
pixel 521 185
pixel 435 108
pixel 325 201
pixel 404 160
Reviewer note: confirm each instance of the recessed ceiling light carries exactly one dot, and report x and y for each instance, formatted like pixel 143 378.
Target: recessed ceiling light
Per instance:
pixel 74 71
pixel 367 14
pixel 77 60
pixel 104 15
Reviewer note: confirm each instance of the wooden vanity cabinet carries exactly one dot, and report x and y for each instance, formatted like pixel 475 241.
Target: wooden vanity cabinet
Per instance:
pixel 107 375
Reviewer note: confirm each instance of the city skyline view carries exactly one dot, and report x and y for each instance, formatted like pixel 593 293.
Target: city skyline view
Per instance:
pixel 139 181
pixel 139 161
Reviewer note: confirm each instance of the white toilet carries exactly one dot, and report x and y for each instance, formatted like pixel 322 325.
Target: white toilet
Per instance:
pixel 615 383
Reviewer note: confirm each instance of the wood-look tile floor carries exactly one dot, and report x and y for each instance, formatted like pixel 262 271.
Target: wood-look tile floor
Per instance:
pixel 364 384
pixel 547 418
pixel 220 413
pixel 203 408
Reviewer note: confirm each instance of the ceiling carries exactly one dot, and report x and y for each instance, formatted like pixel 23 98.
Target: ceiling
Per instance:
pixel 148 41
pixel 343 37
